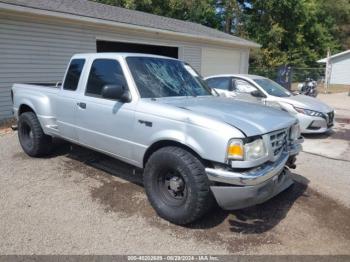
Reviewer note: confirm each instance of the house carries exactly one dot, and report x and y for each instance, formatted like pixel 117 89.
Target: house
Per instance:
pixel 340 68
pixel 38 37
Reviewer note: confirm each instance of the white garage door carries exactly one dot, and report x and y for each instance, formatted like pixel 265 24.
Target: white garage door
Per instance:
pixel 223 61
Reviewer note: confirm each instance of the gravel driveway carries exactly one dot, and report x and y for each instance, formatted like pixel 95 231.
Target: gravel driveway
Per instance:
pixel 80 202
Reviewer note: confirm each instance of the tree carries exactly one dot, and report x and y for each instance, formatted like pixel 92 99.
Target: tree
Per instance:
pixel 336 15
pixel 229 12
pixel 290 32
pixel 199 11
pixel 295 32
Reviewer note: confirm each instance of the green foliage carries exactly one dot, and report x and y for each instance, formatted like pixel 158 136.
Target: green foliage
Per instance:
pixel 199 11
pixel 290 32
pixel 336 15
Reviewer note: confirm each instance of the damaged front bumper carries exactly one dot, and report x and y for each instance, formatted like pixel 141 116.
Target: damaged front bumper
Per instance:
pixel 239 189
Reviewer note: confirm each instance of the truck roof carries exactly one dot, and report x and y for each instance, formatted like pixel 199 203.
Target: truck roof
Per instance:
pixel 117 54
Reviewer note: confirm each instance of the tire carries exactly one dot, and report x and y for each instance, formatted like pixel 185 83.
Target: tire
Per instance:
pixel 31 136
pixel 177 186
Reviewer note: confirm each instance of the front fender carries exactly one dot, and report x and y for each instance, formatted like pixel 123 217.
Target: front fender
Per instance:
pixel 207 143
pixel 178 137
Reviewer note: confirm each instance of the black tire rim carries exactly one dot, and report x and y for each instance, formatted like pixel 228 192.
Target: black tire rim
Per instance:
pixel 172 188
pixel 27 136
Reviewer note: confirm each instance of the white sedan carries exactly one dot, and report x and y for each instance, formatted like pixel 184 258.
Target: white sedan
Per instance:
pixel 314 116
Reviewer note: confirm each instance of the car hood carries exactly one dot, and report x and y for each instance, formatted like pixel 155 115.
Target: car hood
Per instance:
pixel 307 102
pixel 251 118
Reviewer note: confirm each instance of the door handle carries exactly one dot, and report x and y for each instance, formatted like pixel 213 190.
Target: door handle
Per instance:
pixel 82 105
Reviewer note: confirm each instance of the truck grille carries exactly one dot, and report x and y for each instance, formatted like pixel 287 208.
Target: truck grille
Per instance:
pixel 278 141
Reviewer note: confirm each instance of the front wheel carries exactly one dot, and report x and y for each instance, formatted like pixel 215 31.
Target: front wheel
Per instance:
pixel 31 136
pixel 177 185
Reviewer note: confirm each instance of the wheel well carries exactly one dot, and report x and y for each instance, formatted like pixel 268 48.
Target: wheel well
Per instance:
pixel 164 143
pixel 24 108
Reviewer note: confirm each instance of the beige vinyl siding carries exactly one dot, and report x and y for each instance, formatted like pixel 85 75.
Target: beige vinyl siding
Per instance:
pixel 244 62
pixel 192 55
pixel 341 70
pixel 223 61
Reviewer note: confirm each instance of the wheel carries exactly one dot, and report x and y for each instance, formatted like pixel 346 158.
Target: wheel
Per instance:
pixel 177 186
pixel 31 136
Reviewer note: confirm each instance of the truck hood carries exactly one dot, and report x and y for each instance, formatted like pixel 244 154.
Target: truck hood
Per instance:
pixel 251 118
pixel 306 102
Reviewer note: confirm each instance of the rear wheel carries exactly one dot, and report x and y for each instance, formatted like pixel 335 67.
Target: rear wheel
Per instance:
pixel 177 186
pixel 31 136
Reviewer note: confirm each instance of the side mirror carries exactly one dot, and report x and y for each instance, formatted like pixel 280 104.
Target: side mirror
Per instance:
pixel 116 92
pixel 257 93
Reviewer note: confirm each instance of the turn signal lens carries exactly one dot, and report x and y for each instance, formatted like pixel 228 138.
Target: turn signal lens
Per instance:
pixel 235 150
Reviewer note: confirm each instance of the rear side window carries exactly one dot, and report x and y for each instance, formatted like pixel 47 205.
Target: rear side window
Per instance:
pixel 73 74
pixel 219 83
pixel 104 72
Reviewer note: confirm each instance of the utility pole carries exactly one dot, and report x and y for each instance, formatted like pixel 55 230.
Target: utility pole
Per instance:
pixel 328 72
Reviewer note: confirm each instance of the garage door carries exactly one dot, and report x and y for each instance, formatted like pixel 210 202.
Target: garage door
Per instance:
pixel 220 61
pixel 109 46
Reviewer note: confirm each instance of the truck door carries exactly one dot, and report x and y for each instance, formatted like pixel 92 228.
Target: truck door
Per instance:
pixel 66 100
pixel 105 124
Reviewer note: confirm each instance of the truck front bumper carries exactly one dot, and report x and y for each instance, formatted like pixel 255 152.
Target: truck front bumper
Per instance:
pixel 237 197
pixel 237 190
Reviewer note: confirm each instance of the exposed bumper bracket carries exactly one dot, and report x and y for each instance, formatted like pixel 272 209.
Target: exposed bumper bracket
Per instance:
pixel 231 198
pixel 252 177
pixel 256 185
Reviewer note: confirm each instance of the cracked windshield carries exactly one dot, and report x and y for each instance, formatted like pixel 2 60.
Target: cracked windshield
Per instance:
pixel 161 77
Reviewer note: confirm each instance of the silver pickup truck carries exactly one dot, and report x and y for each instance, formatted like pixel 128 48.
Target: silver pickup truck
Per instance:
pixel 157 114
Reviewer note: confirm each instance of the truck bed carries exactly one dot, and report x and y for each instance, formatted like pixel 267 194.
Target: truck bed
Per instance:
pixel 40 88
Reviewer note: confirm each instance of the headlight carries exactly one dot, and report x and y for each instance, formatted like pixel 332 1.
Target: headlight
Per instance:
pixel 308 112
pixel 255 149
pixel 294 132
pixel 249 151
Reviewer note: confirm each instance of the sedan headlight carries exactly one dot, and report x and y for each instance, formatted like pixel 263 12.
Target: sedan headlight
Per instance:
pixel 294 132
pixel 308 112
pixel 237 150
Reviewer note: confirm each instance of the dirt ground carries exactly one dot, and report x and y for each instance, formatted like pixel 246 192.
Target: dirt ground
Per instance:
pixel 77 201
pixel 321 88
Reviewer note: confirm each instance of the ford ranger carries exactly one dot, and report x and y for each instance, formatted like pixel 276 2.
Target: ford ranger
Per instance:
pixel 157 114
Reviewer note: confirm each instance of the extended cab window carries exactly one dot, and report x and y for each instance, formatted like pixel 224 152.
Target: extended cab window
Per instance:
pixel 219 83
pixel 104 72
pixel 73 74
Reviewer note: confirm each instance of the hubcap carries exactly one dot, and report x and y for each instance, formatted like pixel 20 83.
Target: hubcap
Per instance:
pixel 172 188
pixel 176 184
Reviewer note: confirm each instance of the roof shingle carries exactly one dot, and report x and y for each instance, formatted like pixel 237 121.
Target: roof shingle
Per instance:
pixel 91 9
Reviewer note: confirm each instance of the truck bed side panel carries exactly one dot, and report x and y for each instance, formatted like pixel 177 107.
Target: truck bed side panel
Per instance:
pixel 41 99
